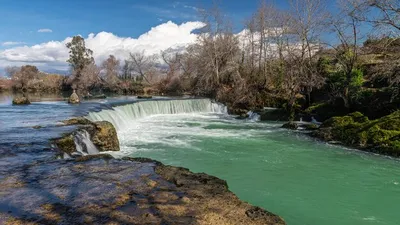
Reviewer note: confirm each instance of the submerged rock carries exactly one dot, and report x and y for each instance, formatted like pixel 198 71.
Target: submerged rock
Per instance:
pixel 103 190
pixel 74 98
pixel 21 101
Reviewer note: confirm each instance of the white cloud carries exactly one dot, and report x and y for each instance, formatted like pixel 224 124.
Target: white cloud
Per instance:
pixel 11 43
pixel 53 54
pixel 45 30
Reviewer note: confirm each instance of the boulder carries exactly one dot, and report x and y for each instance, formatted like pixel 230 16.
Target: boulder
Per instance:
pixel 105 136
pixel 102 134
pixel 66 144
pixel 291 126
pixel 21 101
pixel 74 98
pixel 356 130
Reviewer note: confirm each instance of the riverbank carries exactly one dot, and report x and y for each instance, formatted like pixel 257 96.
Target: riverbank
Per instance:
pixel 380 136
pixel 103 190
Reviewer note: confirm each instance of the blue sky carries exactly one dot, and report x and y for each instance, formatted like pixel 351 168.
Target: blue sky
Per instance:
pixel 23 18
pixel 35 31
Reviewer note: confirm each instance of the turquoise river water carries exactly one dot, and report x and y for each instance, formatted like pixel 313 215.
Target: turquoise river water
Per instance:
pixel 299 178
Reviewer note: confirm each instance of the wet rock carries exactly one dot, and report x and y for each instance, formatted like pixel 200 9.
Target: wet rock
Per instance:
pixel 66 144
pixel 21 101
pixel 241 113
pixel 77 121
pixel 105 136
pixel 103 190
pixel 37 127
pixel 74 98
pixel 310 126
pixel 144 97
pixel 291 126
pixel 274 114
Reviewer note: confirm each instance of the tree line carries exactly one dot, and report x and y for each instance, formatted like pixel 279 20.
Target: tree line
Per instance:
pixel 291 58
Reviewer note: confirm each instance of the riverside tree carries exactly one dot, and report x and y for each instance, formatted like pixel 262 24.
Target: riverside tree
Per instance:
pixel 111 69
pixel 79 58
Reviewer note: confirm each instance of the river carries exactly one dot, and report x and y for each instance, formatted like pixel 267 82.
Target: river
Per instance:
pixel 299 178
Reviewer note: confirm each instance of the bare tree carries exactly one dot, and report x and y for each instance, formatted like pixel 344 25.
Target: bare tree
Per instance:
pixel 143 66
pixel 89 78
pixel 308 20
pixel 111 68
pixel 172 59
pixel 216 50
pixel 23 77
pixel 379 13
pixel 347 30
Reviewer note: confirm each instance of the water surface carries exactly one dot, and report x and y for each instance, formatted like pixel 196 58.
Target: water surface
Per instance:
pixel 303 180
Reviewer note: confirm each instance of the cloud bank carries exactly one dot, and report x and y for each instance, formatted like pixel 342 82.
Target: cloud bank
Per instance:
pixel 53 55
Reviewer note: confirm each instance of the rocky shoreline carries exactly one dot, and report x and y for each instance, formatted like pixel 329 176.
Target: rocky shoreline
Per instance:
pixel 103 190
pixel 99 189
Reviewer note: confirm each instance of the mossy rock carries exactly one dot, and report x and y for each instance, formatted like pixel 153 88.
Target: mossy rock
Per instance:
pixel 291 126
pixel 74 99
pixel 77 121
pixel 105 136
pixel 66 144
pixel 325 111
pixel 356 130
pixel 310 126
pixel 21 101
pixel 274 115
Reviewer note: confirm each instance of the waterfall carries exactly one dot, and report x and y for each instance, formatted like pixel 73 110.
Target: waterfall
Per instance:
pixel 121 115
pixel 84 146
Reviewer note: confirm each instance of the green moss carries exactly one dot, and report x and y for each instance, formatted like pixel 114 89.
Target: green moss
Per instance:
pixel 381 135
pixel 311 126
pixel 77 121
pixel 66 144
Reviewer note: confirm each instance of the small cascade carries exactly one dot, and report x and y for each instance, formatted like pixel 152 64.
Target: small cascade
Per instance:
pixel 121 116
pixel 84 146
pixel 255 117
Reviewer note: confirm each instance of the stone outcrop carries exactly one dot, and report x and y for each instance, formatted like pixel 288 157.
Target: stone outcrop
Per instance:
pixel 74 98
pixel 356 130
pixel 103 190
pixel 103 135
pixel 21 101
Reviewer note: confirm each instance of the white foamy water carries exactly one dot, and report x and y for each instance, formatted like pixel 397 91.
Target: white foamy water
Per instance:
pixel 122 116
pixel 84 145
pixel 154 125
